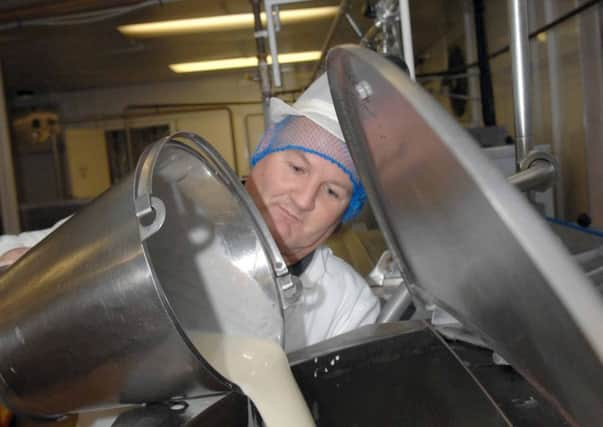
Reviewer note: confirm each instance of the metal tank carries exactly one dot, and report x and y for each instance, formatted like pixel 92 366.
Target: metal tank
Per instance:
pixel 465 239
pixel 101 312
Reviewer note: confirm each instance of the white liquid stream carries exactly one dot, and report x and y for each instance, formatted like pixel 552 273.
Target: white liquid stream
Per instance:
pixel 261 369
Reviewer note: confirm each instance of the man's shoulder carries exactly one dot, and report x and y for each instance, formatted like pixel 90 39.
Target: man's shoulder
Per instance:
pixel 337 272
pixel 333 264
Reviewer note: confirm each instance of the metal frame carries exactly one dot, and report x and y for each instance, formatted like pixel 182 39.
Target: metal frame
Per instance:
pixel 272 26
pixel 543 175
pixel 407 38
pixel 520 48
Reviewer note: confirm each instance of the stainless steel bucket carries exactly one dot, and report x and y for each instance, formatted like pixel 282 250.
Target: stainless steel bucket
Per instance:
pixel 101 312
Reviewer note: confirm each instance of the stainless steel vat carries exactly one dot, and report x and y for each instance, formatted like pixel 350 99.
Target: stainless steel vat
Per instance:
pixel 102 311
pixel 465 239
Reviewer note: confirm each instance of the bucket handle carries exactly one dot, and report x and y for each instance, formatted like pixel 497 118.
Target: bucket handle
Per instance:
pixel 150 212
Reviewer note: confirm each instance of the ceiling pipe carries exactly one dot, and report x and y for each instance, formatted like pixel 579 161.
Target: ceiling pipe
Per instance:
pixel 520 49
pixel 260 44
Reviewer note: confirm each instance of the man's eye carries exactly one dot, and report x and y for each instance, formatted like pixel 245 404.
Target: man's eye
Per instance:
pixel 295 168
pixel 332 193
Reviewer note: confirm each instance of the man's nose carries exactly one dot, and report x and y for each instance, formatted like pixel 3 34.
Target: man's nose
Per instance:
pixel 305 194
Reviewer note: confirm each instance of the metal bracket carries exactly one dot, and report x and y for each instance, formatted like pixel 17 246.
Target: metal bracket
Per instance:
pixel 538 172
pixel 150 212
pixel 290 288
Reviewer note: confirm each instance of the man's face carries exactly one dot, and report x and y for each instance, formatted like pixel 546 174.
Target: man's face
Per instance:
pixel 301 197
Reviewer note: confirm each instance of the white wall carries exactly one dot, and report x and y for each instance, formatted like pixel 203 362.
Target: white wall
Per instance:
pixel 107 108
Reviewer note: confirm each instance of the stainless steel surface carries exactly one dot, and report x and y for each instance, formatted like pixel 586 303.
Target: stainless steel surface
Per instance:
pixel 520 48
pixel 272 26
pixel 387 283
pixel 407 46
pixel 395 307
pixel 272 44
pixel 102 312
pixel 538 171
pixel 538 177
pixel 9 207
pixel 465 239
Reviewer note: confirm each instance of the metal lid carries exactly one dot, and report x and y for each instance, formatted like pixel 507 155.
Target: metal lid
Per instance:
pixel 464 238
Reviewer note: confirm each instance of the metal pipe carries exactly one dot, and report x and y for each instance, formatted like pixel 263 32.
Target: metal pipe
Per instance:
pixel 343 6
pixel 395 306
pixel 557 108
pixel 276 70
pixel 538 177
pixel 520 48
pixel 354 25
pixel 406 27
pixel 9 206
pixel 260 45
pixel 368 37
pixel 485 77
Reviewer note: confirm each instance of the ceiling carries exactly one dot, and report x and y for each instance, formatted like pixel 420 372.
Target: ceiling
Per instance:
pixel 44 58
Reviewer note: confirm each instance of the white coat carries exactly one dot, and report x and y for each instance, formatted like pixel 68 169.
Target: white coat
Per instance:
pixel 335 299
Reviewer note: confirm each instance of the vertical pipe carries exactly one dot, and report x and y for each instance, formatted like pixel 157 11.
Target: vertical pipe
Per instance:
pixel 470 54
pixel 557 113
pixel 518 22
pixel 8 190
pixel 485 77
pixel 407 38
pixel 260 45
pixel 276 71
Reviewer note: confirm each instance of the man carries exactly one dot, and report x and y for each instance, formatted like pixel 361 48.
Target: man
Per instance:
pixel 305 184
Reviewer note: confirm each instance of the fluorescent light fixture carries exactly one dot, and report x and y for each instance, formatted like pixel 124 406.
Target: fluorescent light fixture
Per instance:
pixel 221 23
pixel 243 62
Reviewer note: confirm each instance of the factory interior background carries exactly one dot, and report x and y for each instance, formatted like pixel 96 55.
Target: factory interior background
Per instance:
pixel 83 98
